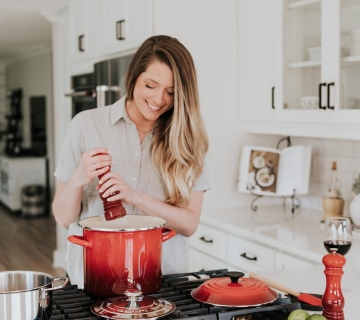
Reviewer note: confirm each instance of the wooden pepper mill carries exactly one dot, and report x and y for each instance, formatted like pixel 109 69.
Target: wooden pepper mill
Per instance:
pixel 333 299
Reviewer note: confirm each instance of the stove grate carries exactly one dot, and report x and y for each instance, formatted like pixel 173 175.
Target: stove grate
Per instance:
pixel 71 303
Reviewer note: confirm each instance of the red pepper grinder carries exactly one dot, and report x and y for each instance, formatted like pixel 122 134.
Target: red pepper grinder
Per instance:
pixel 333 299
pixel 112 209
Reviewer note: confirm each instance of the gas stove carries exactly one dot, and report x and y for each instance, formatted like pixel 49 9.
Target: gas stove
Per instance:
pixel 74 303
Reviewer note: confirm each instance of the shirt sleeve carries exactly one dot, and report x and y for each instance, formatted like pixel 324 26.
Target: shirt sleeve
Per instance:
pixel 203 183
pixel 72 150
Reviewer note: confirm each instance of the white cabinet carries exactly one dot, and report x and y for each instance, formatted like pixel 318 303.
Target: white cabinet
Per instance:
pixel 84 29
pixel 104 28
pixel 210 241
pixel 15 173
pixel 249 256
pixel 330 77
pixel 260 60
pixel 200 261
pixel 125 24
pixel 214 248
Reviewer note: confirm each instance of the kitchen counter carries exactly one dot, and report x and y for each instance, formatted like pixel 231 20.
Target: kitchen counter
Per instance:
pixel 299 232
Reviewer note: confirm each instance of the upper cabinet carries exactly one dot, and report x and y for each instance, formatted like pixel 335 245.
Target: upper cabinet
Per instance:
pixel 102 28
pixel 260 61
pixel 315 95
pixel 125 24
pixel 84 30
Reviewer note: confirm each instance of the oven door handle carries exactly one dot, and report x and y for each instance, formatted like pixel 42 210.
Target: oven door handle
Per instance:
pixel 75 94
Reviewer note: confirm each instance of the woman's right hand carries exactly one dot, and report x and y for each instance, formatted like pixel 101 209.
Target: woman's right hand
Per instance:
pixel 93 163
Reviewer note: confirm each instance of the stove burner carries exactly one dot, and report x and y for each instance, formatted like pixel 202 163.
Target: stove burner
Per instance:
pixel 73 303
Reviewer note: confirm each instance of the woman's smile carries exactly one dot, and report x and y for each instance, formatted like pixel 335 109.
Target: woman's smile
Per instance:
pixel 153 107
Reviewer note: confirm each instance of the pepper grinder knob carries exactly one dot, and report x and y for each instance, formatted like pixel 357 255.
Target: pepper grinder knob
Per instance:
pixel 333 299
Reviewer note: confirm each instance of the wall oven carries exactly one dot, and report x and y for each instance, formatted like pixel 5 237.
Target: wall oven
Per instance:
pixel 83 96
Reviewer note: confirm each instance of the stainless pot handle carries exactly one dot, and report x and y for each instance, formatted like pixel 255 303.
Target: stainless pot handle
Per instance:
pixel 44 298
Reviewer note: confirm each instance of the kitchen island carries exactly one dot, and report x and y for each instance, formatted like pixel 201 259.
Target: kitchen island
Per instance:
pixel 297 235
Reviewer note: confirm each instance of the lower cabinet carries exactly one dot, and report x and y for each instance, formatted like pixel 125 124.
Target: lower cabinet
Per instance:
pixel 211 248
pixel 200 261
pixel 249 256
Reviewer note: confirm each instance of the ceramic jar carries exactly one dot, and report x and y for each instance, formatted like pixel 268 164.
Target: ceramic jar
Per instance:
pixel 354 210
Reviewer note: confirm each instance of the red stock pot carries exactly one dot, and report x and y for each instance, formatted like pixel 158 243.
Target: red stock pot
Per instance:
pixel 122 254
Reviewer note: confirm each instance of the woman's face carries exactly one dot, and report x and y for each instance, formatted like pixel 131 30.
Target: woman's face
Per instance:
pixel 153 93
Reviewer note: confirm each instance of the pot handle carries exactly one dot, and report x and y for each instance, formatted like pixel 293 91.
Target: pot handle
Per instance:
pixel 167 234
pixel 80 241
pixel 44 299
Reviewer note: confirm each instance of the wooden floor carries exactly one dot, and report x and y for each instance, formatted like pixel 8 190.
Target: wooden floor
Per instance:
pixel 27 243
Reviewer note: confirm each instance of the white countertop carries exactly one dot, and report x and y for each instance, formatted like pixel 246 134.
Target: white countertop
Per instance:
pixel 299 233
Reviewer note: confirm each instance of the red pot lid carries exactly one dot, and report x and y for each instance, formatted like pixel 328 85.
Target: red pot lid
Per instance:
pixel 234 291
pixel 132 306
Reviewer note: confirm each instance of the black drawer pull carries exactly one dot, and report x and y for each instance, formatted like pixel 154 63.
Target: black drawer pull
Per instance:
pixel 249 258
pixel 80 43
pixel 328 95
pixel 119 30
pixel 320 95
pixel 206 240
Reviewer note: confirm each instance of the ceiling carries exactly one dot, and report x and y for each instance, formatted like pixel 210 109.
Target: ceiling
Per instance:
pixel 24 27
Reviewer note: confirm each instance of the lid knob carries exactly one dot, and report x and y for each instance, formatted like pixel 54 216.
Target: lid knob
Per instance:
pixel 133 297
pixel 234 275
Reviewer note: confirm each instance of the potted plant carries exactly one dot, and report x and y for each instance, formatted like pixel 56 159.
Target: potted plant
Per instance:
pixel 355 203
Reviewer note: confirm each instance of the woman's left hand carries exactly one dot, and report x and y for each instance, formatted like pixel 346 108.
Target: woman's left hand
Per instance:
pixel 113 184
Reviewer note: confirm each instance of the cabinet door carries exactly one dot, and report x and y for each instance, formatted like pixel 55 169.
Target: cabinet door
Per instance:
pixel 260 61
pixel 345 63
pixel 306 71
pixel 84 29
pixel 249 256
pixel 210 241
pixel 125 24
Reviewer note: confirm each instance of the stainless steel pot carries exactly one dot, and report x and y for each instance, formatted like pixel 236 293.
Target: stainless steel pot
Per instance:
pixel 26 295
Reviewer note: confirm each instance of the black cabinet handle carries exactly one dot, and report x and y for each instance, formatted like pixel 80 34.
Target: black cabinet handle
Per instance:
pixel 328 95
pixel 119 30
pixel 249 258
pixel 206 240
pixel 80 43
pixel 273 97
pixel 320 89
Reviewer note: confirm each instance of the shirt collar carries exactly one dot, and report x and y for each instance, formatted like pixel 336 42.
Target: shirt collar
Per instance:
pixel 118 111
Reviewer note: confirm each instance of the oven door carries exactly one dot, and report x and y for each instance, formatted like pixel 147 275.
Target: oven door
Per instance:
pixel 82 100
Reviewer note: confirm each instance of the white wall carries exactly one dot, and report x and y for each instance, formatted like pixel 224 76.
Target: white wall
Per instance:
pixel 324 152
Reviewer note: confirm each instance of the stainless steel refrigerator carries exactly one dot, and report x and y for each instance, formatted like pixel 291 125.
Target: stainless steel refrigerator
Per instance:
pixel 109 79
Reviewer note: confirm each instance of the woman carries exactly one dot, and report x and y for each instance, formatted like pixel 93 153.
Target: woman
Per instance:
pixel 155 141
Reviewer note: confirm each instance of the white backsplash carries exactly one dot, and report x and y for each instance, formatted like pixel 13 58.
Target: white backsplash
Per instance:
pixel 324 152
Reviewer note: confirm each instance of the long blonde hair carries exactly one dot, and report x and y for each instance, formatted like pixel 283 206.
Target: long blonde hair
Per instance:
pixel 180 141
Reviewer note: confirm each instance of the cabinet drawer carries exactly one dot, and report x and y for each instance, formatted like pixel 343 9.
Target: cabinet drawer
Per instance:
pixel 209 241
pixel 249 256
pixel 200 261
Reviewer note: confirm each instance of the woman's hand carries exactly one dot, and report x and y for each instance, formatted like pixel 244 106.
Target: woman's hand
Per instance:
pixel 93 163
pixel 112 185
